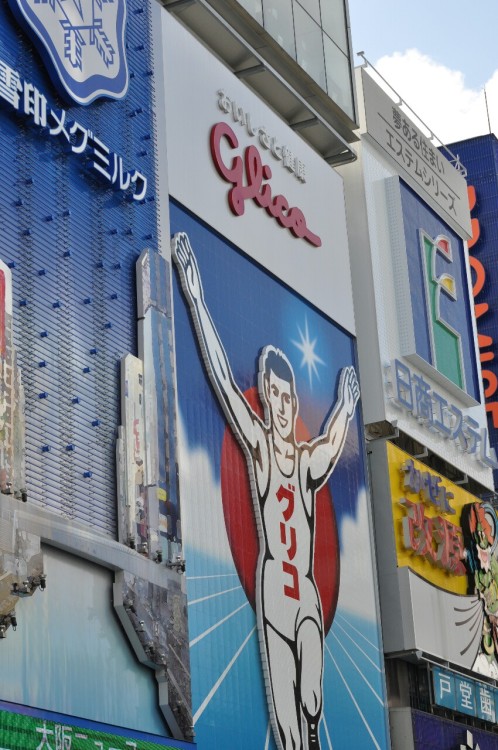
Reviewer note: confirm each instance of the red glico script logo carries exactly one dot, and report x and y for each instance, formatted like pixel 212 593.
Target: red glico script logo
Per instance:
pixel 255 173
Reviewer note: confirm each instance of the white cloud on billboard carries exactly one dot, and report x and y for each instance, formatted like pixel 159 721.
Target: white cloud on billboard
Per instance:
pixel 439 95
pixel 202 508
pixel 357 588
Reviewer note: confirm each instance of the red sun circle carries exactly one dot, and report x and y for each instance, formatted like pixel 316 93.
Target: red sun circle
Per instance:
pixel 241 525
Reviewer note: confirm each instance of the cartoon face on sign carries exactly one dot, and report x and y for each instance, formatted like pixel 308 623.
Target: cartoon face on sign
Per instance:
pixel 286 474
pixel 82 43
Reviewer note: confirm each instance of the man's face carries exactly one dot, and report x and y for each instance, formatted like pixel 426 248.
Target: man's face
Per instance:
pixel 281 401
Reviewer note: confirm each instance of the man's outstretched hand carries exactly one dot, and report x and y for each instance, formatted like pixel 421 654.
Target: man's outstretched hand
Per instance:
pixel 184 258
pixel 349 390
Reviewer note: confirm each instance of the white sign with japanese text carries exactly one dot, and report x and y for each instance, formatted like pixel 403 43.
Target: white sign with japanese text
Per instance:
pixel 423 166
pixel 244 172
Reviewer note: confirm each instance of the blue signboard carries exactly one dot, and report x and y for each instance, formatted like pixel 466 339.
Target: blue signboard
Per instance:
pixel 486 702
pixel 77 207
pixel 480 157
pixel 441 309
pixel 444 688
pixel 434 733
pixel 464 694
pixel 275 651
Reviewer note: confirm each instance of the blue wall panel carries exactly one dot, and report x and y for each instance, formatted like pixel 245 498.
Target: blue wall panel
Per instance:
pixel 480 157
pixel 72 242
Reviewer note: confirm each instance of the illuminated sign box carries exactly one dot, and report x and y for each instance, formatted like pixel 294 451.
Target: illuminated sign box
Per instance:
pixel 465 695
pixel 23 731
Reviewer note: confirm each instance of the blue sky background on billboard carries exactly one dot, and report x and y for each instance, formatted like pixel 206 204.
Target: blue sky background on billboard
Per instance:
pixel 437 56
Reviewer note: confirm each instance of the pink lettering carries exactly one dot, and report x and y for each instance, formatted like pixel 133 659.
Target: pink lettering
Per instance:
pixel 248 178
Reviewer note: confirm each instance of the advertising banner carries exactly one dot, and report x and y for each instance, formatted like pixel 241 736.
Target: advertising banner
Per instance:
pixel 448 538
pixel 284 631
pixel 433 296
pixel 481 154
pixel 78 209
pixel 242 170
pixel 430 366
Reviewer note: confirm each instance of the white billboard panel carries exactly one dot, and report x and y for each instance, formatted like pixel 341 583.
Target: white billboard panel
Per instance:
pixel 419 161
pixel 237 166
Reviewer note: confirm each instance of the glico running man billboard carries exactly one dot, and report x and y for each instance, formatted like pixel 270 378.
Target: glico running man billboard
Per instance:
pixel 283 620
pixel 273 479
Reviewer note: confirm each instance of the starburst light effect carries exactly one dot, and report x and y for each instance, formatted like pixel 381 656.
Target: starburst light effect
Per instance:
pixel 307 348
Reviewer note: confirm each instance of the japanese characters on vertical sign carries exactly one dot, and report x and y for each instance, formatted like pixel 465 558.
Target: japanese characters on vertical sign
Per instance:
pixel 433 295
pixel 484 310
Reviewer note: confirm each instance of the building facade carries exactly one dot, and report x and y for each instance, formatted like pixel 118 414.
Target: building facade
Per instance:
pixel 429 447
pixel 93 619
pixel 187 553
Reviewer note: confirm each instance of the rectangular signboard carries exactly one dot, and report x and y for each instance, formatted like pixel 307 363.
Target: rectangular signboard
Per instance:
pixel 258 365
pixel 420 162
pixel 26 729
pixel 240 168
pixel 464 694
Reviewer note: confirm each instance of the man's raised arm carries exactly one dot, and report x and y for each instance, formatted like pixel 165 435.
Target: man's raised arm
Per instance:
pixel 326 449
pixel 238 412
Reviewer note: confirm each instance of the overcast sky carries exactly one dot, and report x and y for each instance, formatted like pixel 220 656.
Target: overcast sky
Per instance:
pixel 439 55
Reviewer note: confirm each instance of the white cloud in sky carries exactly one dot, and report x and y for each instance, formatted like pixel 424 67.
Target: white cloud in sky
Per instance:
pixel 439 95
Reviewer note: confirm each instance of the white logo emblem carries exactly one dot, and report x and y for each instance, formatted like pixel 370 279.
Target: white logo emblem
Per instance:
pixel 82 43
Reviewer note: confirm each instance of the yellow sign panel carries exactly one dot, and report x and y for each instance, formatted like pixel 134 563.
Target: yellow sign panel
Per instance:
pixel 427 514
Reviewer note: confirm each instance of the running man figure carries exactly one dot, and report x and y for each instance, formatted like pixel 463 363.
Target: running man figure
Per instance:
pixel 285 476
